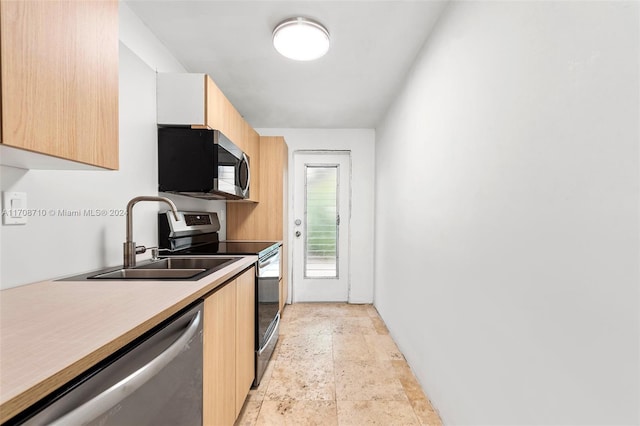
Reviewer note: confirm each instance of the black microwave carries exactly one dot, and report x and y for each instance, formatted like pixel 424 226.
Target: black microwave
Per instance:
pixel 201 163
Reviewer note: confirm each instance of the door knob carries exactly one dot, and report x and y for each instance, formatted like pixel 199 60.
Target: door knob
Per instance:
pixel 298 233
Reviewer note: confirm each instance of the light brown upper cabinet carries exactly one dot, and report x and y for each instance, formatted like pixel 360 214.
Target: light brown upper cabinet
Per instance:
pixel 193 99
pixel 59 83
pixel 268 219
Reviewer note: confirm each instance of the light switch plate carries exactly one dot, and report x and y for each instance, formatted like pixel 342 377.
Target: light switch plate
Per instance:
pixel 14 208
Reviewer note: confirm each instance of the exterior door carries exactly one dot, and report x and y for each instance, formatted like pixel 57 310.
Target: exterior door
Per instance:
pixel 322 210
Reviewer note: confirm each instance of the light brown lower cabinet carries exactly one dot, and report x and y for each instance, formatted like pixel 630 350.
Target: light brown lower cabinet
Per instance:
pixel 245 335
pixel 229 321
pixel 283 294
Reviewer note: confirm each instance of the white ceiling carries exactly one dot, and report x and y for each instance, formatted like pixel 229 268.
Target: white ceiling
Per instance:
pixel 373 45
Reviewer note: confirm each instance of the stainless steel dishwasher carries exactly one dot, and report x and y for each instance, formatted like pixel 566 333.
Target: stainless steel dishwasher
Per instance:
pixel 156 380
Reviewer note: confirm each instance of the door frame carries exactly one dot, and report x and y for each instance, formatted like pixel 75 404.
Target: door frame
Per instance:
pixel 291 230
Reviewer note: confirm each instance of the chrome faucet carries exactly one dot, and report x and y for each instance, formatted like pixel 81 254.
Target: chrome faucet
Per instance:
pixel 130 249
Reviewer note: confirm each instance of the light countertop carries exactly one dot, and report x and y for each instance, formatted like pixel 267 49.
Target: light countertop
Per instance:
pixel 52 331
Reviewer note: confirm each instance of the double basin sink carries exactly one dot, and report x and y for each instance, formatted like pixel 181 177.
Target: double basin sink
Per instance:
pixel 176 268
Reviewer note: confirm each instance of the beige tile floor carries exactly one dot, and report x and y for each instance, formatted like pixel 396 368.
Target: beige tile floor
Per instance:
pixel 335 364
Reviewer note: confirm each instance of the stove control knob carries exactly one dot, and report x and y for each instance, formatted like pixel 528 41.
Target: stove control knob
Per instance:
pixel 298 233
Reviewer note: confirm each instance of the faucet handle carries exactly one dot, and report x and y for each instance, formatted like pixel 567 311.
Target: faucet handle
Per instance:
pixel 155 252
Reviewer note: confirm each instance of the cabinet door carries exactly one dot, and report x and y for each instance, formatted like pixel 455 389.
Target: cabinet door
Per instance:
pixel 268 219
pixel 284 292
pixel 59 62
pixel 219 373
pixel 221 115
pixel 245 336
pixel 264 221
pixel 283 296
pixel 254 157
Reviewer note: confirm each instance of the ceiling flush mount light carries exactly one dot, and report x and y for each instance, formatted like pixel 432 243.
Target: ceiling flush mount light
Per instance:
pixel 301 39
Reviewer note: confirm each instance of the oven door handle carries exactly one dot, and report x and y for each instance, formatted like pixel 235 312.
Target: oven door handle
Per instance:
pixel 269 260
pixel 275 327
pixel 118 392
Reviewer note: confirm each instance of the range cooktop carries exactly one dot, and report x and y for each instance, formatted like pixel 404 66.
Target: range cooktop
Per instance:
pixel 196 233
pixel 259 248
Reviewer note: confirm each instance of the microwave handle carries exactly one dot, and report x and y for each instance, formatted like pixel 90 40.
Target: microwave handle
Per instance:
pixel 246 160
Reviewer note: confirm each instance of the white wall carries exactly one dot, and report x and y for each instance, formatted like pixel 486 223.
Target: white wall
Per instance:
pixel 507 235
pixel 361 143
pixel 54 246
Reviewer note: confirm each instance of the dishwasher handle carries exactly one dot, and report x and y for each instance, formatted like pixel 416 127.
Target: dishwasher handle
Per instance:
pixel 125 387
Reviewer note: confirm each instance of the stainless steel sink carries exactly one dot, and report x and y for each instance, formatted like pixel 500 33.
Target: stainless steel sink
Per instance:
pixel 189 263
pixel 135 273
pixel 173 268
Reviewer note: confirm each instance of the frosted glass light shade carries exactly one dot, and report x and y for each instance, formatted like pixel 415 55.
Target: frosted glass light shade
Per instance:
pixel 301 39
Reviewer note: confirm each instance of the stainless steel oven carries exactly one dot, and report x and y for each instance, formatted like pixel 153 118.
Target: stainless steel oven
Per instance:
pixel 267 308
pixel 196 234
